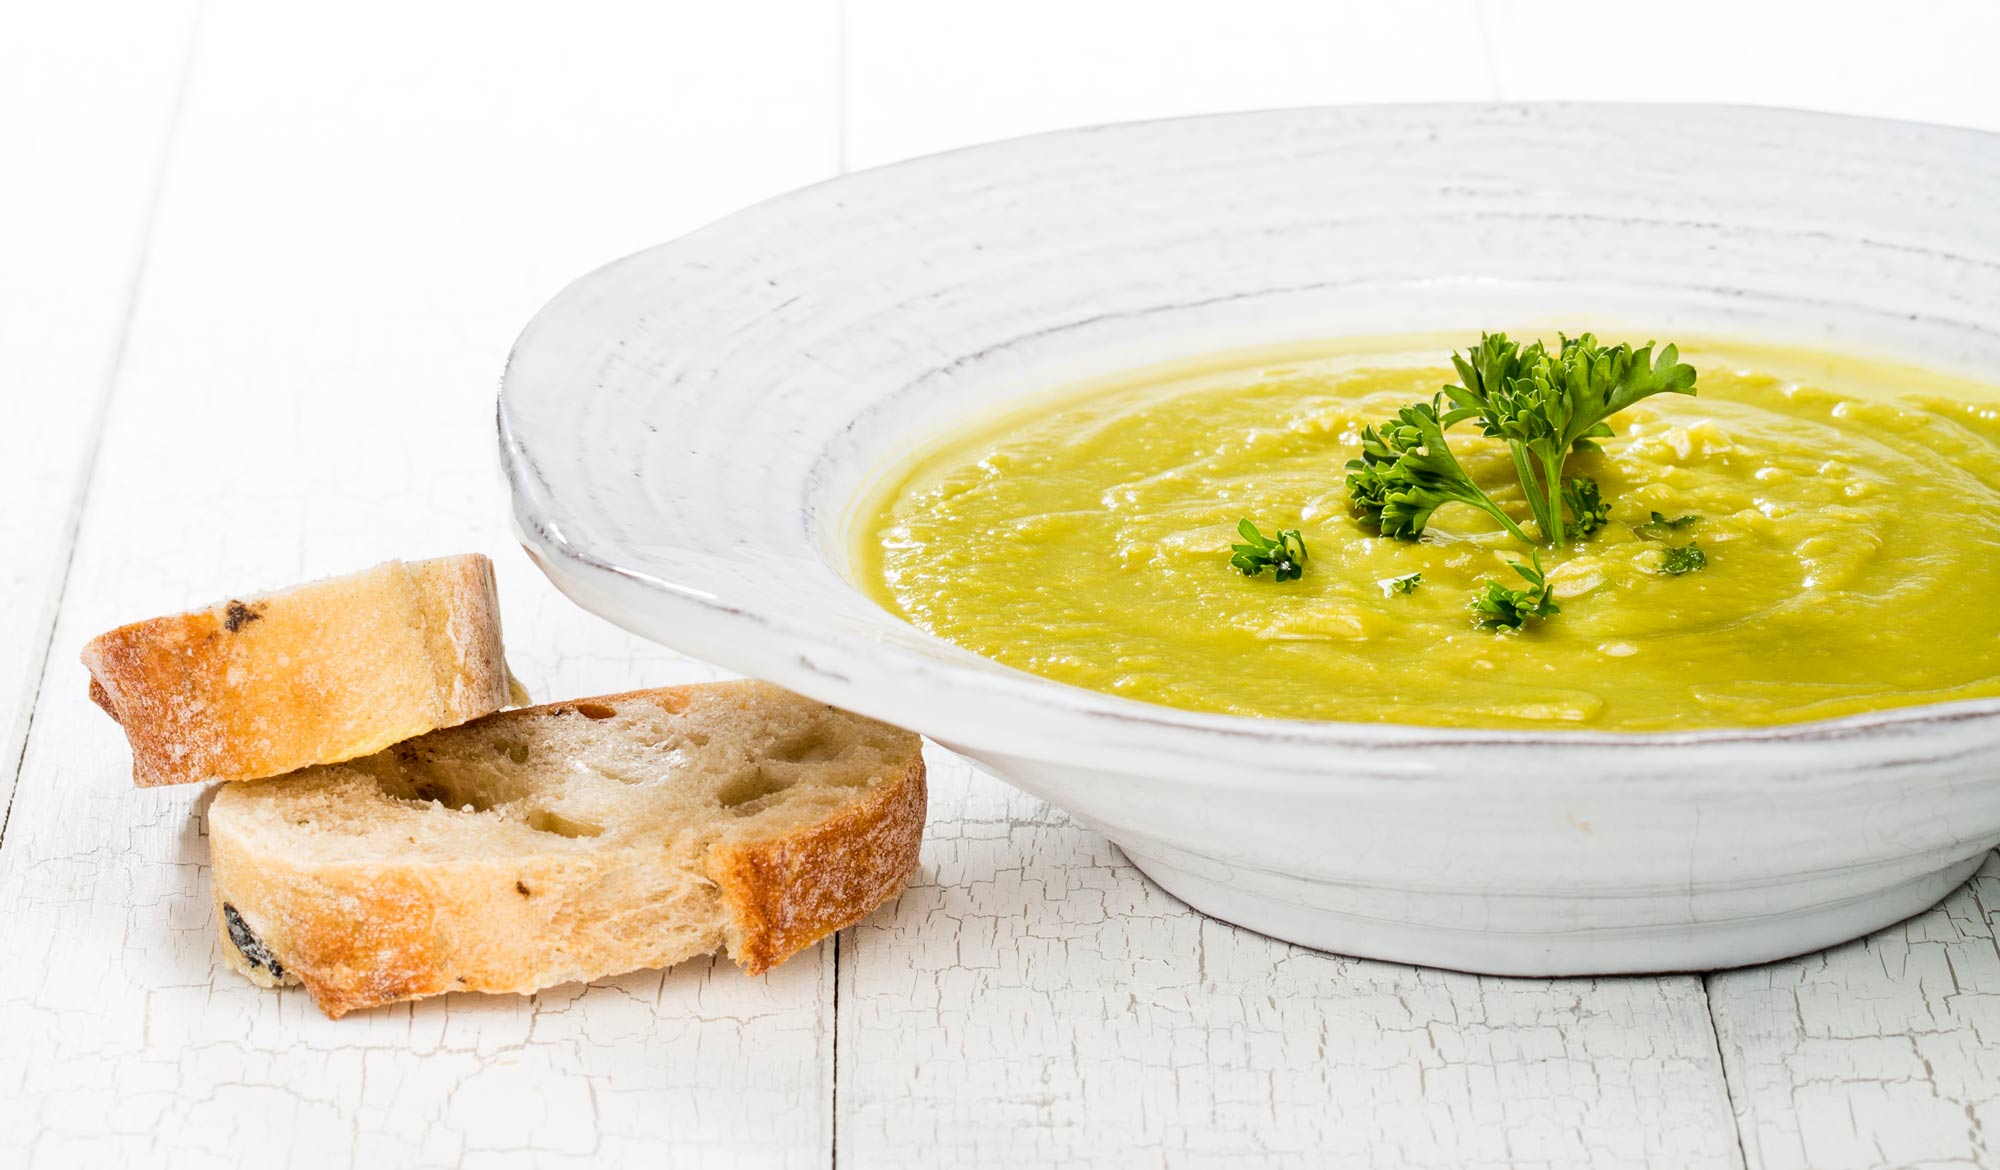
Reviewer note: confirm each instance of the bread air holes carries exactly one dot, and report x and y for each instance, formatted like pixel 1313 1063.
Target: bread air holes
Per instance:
pixel 811 746
pixel 544 820
pixel 452 796
pixel 741 792
pixel 517 752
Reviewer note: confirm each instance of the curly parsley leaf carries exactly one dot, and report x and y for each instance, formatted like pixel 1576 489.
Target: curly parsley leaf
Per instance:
pixel 1483 371
pixel 1406 472
pixel 1496 607
pixel 1405 584
pixel 1685 559
pixel 1283 554
pixel 1546 405
pixel 1587 510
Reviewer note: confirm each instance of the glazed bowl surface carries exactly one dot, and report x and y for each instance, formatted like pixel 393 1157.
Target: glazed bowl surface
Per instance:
pixel 687 433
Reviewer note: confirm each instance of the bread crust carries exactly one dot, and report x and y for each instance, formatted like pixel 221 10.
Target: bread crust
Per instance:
pixel 318 674
pixel 364 935
pixel 787 892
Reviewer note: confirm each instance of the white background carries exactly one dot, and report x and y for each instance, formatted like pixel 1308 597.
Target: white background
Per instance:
pixel 259 265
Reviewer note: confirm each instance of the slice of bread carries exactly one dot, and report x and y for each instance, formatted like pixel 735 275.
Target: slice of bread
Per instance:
pixel 314 675
pixel 568 842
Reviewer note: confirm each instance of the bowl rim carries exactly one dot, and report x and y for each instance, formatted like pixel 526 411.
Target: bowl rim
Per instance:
pixel 1066 714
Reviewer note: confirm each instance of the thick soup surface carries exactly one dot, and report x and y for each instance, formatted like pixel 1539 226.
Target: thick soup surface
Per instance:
pixel 1850 514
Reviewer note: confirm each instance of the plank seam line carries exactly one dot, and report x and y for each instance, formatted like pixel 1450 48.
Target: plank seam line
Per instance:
pixel 841 108
pixel 833 1101
pixel 38 668
pixel 1737 1114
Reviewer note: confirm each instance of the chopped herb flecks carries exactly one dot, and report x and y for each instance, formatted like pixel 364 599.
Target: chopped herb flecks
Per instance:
pixel 1496 607
pixel 1685 559
pixel 1284 554
pixel 1662 525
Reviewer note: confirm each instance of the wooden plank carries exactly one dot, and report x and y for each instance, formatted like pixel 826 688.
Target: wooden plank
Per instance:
pixel 85 110
pixel 363 207
pixel 1033 1000
pixel 1878 1053
pixel 923 77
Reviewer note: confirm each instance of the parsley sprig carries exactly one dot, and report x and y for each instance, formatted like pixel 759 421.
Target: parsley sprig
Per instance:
pixel 1545 405
pixel 1283 554
pixel 1406 472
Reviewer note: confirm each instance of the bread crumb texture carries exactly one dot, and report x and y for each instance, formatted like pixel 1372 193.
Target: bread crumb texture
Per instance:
pixel 568 842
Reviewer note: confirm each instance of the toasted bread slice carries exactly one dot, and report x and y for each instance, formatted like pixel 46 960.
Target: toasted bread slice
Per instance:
pixel 568 842
pixel 317 674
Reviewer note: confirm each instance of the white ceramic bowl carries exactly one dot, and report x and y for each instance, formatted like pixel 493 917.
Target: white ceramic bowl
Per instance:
pixel 686 431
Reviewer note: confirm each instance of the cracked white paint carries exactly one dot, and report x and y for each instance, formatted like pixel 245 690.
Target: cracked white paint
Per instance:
pixel 347 242
pixel 1881 1053
pixel 1033 1000
pixel 75 202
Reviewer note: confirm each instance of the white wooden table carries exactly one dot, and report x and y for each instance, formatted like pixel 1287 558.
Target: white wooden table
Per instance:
pixel 258 269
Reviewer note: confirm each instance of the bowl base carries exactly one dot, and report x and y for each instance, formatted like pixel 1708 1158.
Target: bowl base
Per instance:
pixel 1653 949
